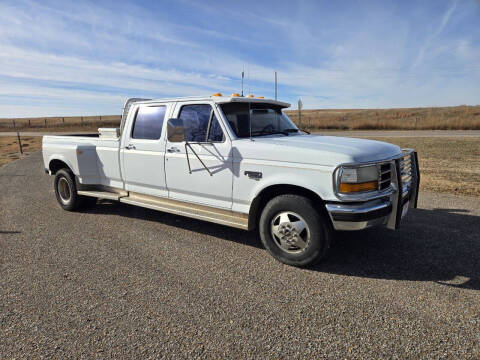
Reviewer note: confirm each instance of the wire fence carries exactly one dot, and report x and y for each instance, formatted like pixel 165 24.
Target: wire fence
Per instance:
pixel 58 122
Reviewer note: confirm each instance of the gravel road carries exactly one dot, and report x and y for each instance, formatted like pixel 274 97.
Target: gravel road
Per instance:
pixel 125 282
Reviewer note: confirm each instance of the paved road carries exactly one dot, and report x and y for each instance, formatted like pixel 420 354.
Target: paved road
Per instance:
pixel 366 133
pixel 125 282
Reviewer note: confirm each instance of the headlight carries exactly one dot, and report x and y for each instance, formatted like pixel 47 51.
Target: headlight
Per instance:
pixel 358 179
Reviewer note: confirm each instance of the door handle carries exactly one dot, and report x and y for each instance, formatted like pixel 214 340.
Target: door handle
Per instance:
pixel 173 149
pixel 130 147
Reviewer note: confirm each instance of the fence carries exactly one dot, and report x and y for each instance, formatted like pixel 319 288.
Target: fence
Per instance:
pixel 54 122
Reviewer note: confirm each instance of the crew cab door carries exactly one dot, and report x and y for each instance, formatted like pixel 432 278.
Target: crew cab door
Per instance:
pixel 205 131
pixel 143 149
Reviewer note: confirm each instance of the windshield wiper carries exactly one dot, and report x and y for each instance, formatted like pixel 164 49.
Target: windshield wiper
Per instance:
pixel 290 130
pixel 262 132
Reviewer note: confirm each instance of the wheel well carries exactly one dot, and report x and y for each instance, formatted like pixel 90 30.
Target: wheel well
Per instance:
pixel 56 165
pixel 275 190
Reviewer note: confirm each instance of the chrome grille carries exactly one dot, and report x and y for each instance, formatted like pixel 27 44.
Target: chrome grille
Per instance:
pixel 406 171
pixel 385 176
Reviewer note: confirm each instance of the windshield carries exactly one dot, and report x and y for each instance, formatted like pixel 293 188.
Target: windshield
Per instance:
pixel 266 119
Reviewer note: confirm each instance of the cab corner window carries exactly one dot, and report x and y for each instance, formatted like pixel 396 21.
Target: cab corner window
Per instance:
pixel 149 122
pixel 196 119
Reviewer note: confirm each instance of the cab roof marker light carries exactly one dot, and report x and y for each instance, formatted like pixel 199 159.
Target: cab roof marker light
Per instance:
pixel 235 95
pixel 250 96
pixel 217 94
pixel 260 97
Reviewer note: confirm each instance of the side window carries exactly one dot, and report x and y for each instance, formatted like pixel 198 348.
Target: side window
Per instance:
pixel 195 120
pixel 149 122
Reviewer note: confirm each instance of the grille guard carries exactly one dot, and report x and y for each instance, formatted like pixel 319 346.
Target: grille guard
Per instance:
pixel 400 197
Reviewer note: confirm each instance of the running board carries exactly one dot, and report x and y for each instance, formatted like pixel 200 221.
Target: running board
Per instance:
pixel 218 216
pixel 100 194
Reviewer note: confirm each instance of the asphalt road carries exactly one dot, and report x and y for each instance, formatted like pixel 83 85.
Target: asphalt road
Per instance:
pixel 125 282
pixel 355 133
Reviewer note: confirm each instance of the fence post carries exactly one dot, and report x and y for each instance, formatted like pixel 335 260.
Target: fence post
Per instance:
pixel 63 120
pixel 29 123
pixel 19 143
pixel 81 119
pixel 45 122
pixel 13 123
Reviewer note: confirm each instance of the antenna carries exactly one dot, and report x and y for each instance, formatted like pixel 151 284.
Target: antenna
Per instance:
pixel 243 76
pixel 275 86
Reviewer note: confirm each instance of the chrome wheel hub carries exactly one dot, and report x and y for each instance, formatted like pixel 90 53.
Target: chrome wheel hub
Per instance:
pixel 290 232
pixel 64 190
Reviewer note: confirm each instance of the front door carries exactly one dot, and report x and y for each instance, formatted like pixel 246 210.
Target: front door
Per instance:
pixel 143 150
pixel 205 132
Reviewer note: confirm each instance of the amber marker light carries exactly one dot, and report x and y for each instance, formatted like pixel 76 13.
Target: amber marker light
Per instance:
pixel 260 97
pixel 235 95
pixel 350 188
pixel 251 96
pixel 217 94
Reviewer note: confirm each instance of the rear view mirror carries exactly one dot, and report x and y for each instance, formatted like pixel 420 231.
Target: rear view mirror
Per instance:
pixel 175 130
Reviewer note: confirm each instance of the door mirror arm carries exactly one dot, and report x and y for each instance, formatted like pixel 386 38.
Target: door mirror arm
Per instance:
pixel 187 146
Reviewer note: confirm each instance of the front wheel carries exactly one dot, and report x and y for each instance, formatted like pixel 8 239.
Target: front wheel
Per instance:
pixel 294 231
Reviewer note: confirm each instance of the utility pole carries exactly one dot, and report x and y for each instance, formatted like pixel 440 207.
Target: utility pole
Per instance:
pixel 275 85
pixel 300 104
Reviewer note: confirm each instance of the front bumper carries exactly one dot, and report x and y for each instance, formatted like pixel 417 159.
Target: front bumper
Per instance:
pixel 387 210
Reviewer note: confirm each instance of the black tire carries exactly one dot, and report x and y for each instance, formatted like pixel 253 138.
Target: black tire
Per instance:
pixel 317 228
pixel 66 192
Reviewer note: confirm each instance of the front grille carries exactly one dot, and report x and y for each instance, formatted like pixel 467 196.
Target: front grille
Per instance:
pixel 406 171
pixel 385 176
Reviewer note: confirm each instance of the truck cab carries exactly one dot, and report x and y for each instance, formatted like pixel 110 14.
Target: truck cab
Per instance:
pixel 241 162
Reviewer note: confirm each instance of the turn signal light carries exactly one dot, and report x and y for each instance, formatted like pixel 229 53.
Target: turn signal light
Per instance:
pixel 217 94
pixel 366 186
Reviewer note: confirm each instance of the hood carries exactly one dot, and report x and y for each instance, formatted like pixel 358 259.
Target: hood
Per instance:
pixel 315 149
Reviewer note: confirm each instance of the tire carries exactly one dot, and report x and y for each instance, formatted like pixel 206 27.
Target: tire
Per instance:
pixel 66 192
pixel 294 231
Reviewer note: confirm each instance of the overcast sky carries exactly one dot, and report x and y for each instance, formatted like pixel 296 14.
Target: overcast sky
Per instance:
pixel 84 58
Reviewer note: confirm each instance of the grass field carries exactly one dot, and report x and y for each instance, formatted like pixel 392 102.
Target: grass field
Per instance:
pixel 435 118
pixel 447 164
pixel 9 149
pixel 71 123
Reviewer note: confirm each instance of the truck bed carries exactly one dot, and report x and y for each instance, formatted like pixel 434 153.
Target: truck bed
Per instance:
pixel 94 159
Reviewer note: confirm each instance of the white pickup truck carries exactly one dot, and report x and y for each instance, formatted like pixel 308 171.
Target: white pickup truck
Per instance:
pixel 241 162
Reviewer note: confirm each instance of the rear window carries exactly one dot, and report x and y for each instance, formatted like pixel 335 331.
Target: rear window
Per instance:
pixel 149 122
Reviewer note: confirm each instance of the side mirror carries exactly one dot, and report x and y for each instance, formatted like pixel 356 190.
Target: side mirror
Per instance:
pixel 175 130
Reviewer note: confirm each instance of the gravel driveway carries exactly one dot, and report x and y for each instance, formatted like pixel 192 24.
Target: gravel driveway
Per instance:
pixel 125 282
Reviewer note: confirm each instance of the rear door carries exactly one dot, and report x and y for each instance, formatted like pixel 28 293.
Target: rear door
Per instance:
pixel 143 149
pixel 215 152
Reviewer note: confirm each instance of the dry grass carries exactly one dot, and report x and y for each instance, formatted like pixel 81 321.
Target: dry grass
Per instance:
pixel 438 118
pixel 433 118
pixel 10 151
pixel 72 123
pixel 446 164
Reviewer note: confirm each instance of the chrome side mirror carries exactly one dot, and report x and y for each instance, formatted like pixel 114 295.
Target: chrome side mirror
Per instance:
pixel 175 130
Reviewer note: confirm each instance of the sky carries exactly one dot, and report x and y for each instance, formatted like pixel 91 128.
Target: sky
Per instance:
pixel 85 57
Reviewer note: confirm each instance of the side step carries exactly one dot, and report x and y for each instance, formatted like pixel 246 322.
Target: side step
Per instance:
pixel 100 194
pixel 218 216
pixel 201 212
